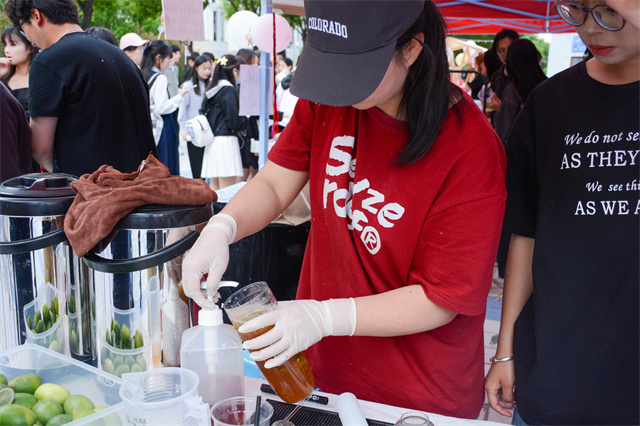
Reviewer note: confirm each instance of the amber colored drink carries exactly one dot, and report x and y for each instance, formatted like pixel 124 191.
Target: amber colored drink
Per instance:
pixel 292 381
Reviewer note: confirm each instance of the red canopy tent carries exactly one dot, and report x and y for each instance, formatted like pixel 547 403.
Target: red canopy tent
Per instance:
pixel 482 16
pixel 490 16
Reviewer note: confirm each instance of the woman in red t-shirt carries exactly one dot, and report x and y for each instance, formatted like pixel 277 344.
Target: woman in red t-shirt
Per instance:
pixel 407 196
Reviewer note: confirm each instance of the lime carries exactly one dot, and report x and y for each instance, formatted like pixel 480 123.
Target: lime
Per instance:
pixel 55 346
pixel 27 383
pixel 3 380
pixel 6 395
pixel 116 331
pixel 46 409
pixel 126 334
pixel 24 399
pixel 108 366
pixel 122 369
pixel 52 391
pixel 77 402
pixel 100 408
pixel 13 414
pixel 119 360
pixel 130 360
pixel 78 414
pixel 141 362
pixel 60 419
pixel 74 340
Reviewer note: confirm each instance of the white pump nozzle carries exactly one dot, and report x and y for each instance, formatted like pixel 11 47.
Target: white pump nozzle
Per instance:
pixel 213 317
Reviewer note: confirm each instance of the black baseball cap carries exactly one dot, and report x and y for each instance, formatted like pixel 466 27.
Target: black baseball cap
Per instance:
pixel 349 46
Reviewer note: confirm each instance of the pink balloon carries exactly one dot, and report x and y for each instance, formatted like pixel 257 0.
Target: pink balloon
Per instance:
pixel 262 33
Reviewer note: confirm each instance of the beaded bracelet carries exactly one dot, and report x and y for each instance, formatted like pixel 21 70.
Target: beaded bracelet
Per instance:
pixel 493 359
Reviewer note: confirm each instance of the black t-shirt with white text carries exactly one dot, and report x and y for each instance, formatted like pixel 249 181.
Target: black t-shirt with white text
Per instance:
pixel 101 101
pixel 573 179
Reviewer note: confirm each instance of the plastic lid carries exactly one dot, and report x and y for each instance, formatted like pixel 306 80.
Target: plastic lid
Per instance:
pixel 210 317
pixel 39 185
pixel 37 194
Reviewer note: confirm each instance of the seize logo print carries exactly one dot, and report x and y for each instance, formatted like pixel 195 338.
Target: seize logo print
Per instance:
pixel 372 210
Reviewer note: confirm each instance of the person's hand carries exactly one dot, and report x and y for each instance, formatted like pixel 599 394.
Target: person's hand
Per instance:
pixel 500 384
pixel 185 136
pixel 4 66
pixel 209 255
pixel 298 325
pixel 174 266
pixel 182 91
pixel 494 102
pixel 629 9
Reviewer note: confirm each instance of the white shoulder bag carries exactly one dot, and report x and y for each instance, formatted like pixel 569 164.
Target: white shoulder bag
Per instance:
pixel 198 127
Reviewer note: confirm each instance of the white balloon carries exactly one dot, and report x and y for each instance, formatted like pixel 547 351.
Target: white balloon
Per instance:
pixel 262 33
pixel 239 28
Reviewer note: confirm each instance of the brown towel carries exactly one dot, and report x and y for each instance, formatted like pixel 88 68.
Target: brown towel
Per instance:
pixel 106 196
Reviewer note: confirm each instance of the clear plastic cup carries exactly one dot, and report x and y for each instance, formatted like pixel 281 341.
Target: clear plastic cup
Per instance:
pixel 165 396
pixel 240 410
pixel 414 418
pixel 292 381
pixel 48 308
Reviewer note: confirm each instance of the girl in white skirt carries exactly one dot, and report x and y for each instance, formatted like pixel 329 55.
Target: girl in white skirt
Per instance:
pixel 222 162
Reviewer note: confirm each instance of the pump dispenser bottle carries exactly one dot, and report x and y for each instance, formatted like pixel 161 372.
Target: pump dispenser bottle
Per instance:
pixel 213 350
pixel 175 320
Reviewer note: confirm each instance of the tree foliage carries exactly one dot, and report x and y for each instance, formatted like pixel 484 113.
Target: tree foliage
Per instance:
pixel 126 16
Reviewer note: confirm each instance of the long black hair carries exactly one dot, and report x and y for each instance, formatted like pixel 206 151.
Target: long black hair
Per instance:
pixel 193 75
pixel 153 49
pixel 523 67
pixel 224 70
pixel 428 91
pixel 12 36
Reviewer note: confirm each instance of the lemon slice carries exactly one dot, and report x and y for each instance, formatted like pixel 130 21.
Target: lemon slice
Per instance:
pixel 6 395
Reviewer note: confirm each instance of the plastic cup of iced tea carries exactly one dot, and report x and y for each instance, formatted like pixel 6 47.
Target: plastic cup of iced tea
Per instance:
pixel 292 381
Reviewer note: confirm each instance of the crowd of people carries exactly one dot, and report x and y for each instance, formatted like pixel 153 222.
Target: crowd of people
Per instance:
pixel 409 185
pixel 54 138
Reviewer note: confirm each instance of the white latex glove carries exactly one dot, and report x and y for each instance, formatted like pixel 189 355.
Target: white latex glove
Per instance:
pixel 209 255
pixel 298 324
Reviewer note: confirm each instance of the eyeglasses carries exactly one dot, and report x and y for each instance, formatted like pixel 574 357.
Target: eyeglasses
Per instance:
pixel 574 13
pixel 19 27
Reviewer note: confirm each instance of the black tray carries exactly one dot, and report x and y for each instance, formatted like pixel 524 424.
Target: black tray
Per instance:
pixel 306 416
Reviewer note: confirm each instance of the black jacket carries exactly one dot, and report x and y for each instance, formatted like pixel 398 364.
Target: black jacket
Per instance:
pixel 222 113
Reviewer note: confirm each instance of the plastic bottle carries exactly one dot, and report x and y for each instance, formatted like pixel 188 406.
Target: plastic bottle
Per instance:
pixel 175 320
pixel 154 321
pixel 213 350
